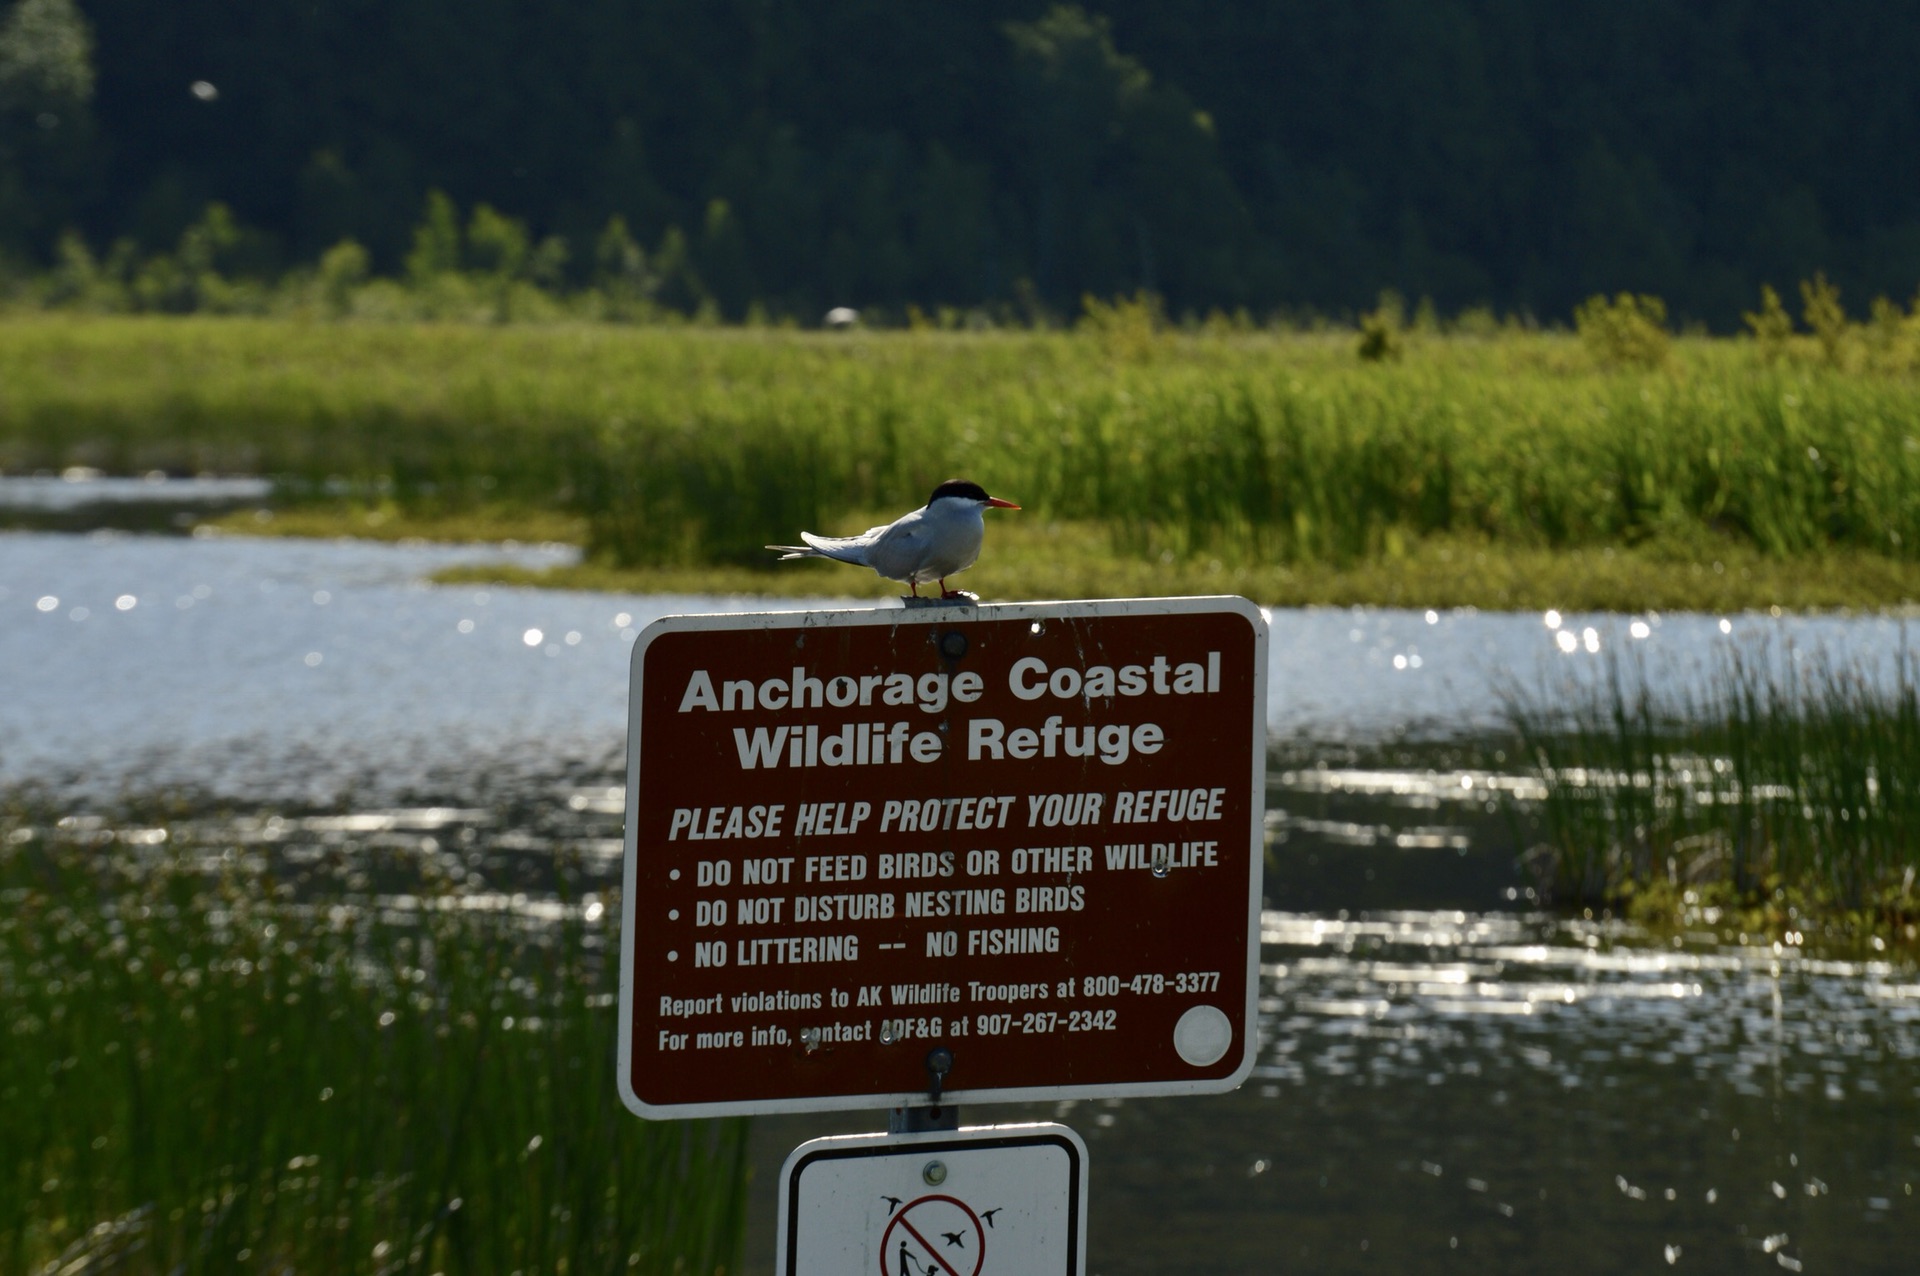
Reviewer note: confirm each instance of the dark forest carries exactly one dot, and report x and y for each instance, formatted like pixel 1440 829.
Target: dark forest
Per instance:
pixel 1294 156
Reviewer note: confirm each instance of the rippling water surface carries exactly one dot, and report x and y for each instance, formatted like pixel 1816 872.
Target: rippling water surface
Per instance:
pixel 278 668
pixel 1442 1091
pixel 1447 1080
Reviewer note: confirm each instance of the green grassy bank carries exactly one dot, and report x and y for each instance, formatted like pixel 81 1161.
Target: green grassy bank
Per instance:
pixel 1469 469
pixel 204 1073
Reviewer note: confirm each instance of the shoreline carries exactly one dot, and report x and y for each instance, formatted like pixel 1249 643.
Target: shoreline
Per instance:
pixel 1038 558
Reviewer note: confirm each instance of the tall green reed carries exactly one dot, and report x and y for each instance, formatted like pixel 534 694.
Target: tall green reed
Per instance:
pixel 691 446
pixel 205 1074
pixel 1787 770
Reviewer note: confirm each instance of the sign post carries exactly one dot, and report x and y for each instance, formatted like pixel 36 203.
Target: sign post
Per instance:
pixel 887 859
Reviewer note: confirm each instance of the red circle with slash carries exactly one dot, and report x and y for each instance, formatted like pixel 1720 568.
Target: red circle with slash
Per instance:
pixel 940 1266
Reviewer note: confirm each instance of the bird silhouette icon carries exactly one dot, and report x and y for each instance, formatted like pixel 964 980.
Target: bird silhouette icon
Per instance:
pixel 955 1239
pixel 986 1216
pixel 893 1203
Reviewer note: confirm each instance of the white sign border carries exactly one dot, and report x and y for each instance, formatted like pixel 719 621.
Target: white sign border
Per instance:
pixel 1025 1134
pixel 958 615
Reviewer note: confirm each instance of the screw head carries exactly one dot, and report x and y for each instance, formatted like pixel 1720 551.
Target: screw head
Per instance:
pixel 934 1173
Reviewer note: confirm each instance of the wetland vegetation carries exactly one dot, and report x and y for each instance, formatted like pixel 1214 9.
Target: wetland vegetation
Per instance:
pixel 215 1063
pixel 1468 464
pixel 1782 799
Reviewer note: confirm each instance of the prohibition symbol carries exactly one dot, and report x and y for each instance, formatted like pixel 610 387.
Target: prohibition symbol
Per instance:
pixel 933 1236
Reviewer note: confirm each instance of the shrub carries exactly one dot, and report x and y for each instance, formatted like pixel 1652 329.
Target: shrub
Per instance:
pixel 1891 336
pixel 1130 328
pixel 1630 331
pixel 1380 329
pixel 343 269
pixel 1771 325
pixel 1821 311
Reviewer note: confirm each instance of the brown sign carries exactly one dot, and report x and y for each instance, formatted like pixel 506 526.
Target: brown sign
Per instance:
pixel 1028 834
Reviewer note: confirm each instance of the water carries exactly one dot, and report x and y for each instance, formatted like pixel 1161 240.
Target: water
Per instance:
pixel 300 670
pixel 82 499
pixel 1439 1091
pixel 307 670
pixel 81 488
pixel 1448 1079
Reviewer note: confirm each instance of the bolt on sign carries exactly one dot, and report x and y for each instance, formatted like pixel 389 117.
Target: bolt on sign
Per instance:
pixel 997 1200
pixel 1027 834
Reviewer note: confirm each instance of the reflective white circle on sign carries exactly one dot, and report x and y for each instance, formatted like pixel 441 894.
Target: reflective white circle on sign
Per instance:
pixel 1202 1035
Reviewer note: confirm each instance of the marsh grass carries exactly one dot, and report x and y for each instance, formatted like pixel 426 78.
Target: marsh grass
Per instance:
pixel 203 1073
pixel 1787 791
pixel 386 520
pixel 691 447
pixel 1032 558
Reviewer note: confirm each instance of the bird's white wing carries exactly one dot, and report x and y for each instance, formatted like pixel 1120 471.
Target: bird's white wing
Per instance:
pixel 848 549
pixel 904 549
pixel 900 550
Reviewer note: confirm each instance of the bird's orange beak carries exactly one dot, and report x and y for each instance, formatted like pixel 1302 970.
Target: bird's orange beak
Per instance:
pixel 999 504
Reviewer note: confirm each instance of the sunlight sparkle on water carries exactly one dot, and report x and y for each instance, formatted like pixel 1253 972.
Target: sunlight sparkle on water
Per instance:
pixel 533 637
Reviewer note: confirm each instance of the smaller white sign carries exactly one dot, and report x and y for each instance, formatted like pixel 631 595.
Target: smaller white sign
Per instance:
pixel 990 1200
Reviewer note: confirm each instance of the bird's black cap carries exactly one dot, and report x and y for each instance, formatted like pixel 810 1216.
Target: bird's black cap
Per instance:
pixel 960 487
